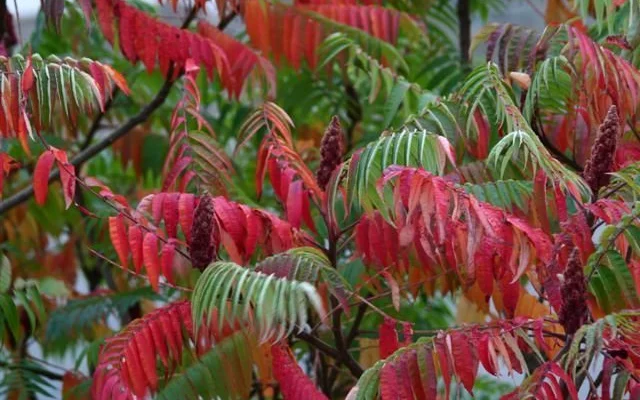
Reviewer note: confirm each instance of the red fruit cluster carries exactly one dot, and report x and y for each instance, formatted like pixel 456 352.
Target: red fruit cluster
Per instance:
pixel 600 163
pixel 203 247
pixel 331 149
pixel 574 312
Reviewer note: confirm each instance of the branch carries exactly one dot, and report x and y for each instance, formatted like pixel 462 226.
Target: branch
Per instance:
pixel 464 27
pixel 91 151
pixel 355 328
pixel 96 148
pixel 319 344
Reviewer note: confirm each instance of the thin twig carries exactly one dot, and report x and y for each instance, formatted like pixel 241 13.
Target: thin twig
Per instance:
pixel 319 344
pixel 137 275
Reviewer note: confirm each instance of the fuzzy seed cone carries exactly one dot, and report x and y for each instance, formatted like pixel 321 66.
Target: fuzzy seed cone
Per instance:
pixel 574 311
pixel 600 163
pixel 331 149
pixel 204 234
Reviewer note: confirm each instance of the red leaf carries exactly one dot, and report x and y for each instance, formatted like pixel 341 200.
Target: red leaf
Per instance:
pixel 27 76
pixel 135 244
pixel 157 204
pixel 168 253
pixel 105 18
pixel 411 360
pixel 294 384
pixel 186 205
pixel 391 388
pixel 443 362
pixel 118 233
pixel 86 9
pixel 176 170
pixel 388 338
pixel 127 30
pixel 431 379
pixel 487 354
pixel 68 179
pixel 464 358
pixel 159 342
pixel 41 176
pixel 151 260
pixel 171 214
pixel 294 203
pixel 147 43
pixel 143 345
pixel 137 380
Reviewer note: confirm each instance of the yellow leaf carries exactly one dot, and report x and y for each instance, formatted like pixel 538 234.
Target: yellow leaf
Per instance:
pixel 369 353
pixel 529 307
pixel 468 312
pixel 557 12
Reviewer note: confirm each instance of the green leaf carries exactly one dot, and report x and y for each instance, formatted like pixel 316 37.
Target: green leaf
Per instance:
pixel 632 233
pixel 5 274
pixel 224 372
pixel 612 283
pixel 9 315
pixel 507 194
pixel 219 284
pixel 306 264
pixel 393 102
pixel 405 148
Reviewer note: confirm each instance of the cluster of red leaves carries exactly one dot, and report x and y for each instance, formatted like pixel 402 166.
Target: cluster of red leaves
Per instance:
pixel 448 229
pixel 388 335
pixel 604 79
pixel 42 171
pixel 21 113
pixel 287 186
pixel 143 246
pixel 161 43
pixel 548 382
pixel 291 179
pixel 241 230
pixel 413 373
pixel 287 33
pixel 294 383
pixel 127 362
pixel 181 153
pixel 242 59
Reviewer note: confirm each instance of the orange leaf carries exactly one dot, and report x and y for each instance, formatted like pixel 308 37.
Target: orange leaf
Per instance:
pixel 151 259
pixel 118 234
pixel 41 176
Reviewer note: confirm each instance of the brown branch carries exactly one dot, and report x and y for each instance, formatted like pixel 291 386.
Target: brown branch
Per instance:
pixel 537 123
pixel 319 344
pixel 355 328
pixel 464 27
pixel 92 150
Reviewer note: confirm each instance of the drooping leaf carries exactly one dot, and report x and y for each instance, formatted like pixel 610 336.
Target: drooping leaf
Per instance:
pixel 41 176
pixel 278 305
pixel 307 264
pixel 294 383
